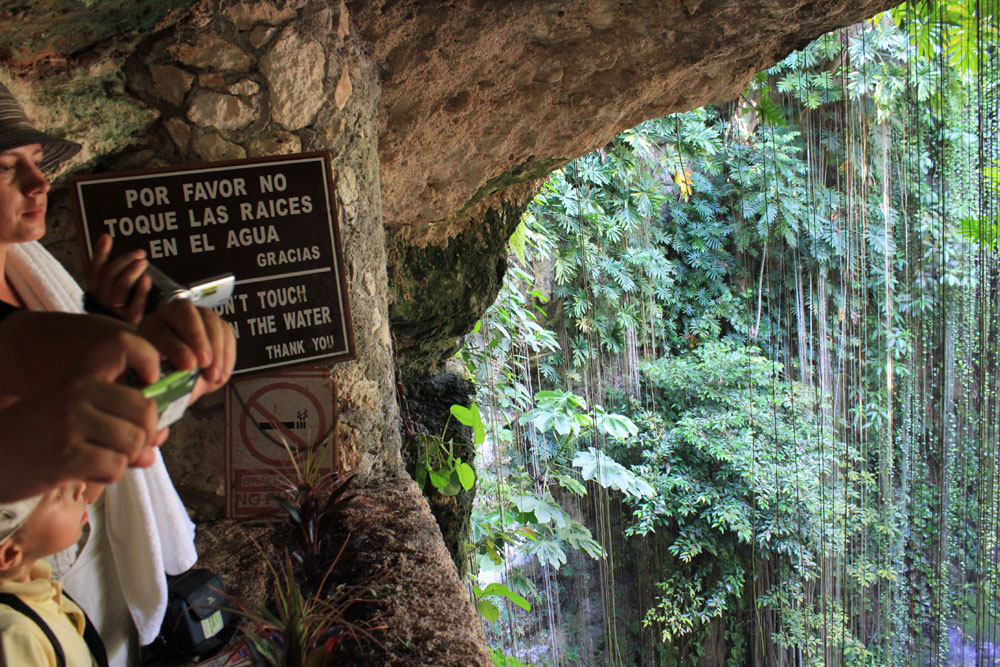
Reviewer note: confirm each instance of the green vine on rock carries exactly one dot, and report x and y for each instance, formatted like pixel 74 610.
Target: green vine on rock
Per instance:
pixel 439 465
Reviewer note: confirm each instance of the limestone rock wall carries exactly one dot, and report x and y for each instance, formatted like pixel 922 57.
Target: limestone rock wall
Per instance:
pixel 475 90
pixel 249 80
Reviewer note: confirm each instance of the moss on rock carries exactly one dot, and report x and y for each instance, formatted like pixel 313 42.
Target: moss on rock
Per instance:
pixel 48 27
pixel 438 293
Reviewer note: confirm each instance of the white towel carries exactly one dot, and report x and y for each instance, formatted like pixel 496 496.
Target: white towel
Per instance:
pixel 150 532
pixel 148 528
pixel 41 281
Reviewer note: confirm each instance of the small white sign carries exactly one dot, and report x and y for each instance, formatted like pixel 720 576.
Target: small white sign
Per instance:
pixel 268 419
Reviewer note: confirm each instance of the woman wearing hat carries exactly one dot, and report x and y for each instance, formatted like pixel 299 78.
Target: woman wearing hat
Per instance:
pixel 141 530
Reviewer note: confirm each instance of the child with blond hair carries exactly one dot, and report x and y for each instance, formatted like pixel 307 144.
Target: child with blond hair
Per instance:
pixel 39 624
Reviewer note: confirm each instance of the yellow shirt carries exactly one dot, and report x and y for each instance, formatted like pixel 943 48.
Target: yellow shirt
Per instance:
pixel 22 642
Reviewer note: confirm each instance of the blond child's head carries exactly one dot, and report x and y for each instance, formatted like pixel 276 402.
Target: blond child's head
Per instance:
pixel 41 526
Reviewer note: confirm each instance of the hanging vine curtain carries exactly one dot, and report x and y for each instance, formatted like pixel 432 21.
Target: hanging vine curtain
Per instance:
pixel 743 377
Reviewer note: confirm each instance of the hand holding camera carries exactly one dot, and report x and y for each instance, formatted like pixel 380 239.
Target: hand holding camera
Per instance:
pixel 198 346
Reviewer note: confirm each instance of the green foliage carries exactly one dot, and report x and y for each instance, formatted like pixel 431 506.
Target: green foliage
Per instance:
pixel 564 416
pixel 985 231
pixel 792 265
pixel 734 460
pixel 559 411
pixel 640 244
pixel 502 660
pixel 437 462
pixel 949 29
pixel 532 525
pixel 599 467
pixel 532 520
pixel 470 417
pixel 549 530
pixel 313 502
pixel 299 630
pixel 487 608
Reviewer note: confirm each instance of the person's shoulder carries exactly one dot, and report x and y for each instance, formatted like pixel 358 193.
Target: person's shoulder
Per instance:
pixel 22 642
pixel 13 620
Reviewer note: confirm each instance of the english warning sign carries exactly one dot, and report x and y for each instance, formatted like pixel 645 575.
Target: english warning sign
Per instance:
pixel 269 418
pixel 272 222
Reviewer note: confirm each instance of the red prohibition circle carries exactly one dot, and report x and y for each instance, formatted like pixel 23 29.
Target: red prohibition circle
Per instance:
pixel 294 441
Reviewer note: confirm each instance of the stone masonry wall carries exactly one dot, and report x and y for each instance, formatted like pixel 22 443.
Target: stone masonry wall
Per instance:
pixel 248 80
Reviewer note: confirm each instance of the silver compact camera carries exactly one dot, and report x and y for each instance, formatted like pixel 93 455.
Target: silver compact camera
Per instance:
pixel 206 293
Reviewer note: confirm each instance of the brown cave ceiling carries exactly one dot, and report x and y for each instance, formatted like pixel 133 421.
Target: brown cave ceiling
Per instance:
pixel 479 95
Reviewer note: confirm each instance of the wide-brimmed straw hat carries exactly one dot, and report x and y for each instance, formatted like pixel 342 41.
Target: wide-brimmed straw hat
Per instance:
pixel 16 130
pixel 13 515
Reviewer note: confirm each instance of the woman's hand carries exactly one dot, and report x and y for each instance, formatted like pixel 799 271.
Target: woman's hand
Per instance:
pixel 63 415
pixel 189 336
pixel 119 284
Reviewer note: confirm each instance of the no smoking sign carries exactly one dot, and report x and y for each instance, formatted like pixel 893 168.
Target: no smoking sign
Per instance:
pixel 267 418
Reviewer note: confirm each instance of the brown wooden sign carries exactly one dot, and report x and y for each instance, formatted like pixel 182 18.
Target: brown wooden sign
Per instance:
pixel 270 221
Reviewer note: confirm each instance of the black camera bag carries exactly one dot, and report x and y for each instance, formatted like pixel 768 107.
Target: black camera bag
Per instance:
pixel 199 621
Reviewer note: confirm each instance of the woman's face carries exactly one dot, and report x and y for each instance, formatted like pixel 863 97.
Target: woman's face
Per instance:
pixel 23 195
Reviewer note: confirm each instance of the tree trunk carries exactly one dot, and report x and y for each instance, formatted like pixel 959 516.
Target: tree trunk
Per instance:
pixel 714 650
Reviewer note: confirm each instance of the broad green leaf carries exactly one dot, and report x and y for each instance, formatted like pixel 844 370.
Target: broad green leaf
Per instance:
pixel 549 553
pixel 524 502
pixel 571 484
pixel 601 468
pixel 517 242
pixel 548 394
pixel 471 417
pixel 439 479
pixel 502 660
pixel 538 295
pixel 564 423
pixel 500 589
pixel 453 487
pixel 618 426
pixel 770 113
pixel 488 610
pixel 545 509
pixel 466 475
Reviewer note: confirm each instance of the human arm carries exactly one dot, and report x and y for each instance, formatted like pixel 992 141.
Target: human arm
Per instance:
pixel 85 428
pixel 186 335
pixel 41 349
pixel 62 416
